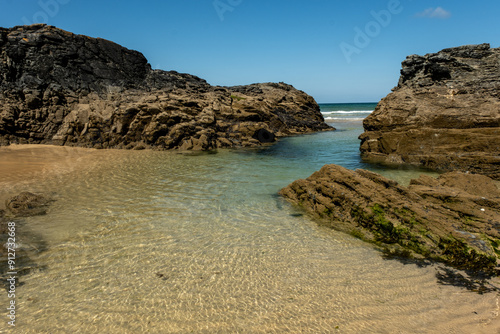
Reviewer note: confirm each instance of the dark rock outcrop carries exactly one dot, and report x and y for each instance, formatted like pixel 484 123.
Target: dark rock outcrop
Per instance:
pixel 444 114
pixel 60 88
pixel 453 219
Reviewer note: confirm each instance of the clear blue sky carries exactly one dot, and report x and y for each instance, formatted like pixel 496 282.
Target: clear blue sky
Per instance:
pixel 315 45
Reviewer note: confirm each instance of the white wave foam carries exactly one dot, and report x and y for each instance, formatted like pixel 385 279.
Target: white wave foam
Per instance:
pixel 347 112
pixel 345 119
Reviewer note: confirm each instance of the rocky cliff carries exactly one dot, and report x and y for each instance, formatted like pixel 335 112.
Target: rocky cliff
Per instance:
pixel 444 114
pixel 453 219
pixel 60 88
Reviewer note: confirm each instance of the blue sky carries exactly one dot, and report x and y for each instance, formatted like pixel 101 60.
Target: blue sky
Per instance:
pixel 337 51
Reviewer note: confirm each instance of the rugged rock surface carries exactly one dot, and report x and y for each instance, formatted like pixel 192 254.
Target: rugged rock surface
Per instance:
pixel 60 88
pixel 453 219
pixel 27 204
pixel 444 114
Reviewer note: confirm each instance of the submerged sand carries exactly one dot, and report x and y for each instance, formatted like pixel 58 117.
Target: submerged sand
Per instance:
pixel 133 230
pixel 22 165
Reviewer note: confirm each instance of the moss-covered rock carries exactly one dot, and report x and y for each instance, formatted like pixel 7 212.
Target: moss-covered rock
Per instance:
pixel 453 219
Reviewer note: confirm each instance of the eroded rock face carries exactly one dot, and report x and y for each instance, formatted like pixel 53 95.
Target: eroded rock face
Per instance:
pixel 454 219
pixel 66 89
pixel 444 114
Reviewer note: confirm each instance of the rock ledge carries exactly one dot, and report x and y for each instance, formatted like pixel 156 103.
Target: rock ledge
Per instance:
pixel 452 219
pixel 444 114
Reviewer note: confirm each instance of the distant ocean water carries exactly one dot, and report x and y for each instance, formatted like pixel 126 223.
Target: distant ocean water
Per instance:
pixel 341 112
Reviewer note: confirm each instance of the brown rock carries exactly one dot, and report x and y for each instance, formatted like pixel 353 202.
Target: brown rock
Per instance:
pixel 65 89
pixel 27 204
pixel 444 114
pixel 454 219
pixel 11 230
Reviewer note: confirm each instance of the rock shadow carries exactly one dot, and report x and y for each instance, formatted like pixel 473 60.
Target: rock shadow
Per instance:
pixel 473 281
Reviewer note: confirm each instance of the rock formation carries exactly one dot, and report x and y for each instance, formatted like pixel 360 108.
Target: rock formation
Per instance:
pixel 60 88
pixel 453 219
pixel 444 114
pixel 25 204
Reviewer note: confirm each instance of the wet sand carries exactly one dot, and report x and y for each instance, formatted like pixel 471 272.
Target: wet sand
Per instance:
pixel 22 165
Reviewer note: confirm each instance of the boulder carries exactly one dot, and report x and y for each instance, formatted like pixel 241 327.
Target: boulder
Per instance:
pixel 27 204
pixel 444 113
pixel 453 219
pixel 65 89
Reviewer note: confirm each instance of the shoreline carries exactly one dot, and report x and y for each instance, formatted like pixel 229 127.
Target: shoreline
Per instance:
pixel 24 164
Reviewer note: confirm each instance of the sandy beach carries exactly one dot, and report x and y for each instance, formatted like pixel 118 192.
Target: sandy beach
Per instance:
pixel 22 165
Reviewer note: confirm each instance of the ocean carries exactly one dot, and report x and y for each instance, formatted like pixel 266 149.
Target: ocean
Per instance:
pixel 187 242
pixel 342 112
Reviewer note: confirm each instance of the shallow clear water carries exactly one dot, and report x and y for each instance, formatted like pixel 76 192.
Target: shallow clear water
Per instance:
pixel 163 242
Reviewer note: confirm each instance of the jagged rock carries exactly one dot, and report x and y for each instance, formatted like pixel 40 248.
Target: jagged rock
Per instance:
pixel 27 204
pixel 444 114
pixel 60 88
pixel 454 219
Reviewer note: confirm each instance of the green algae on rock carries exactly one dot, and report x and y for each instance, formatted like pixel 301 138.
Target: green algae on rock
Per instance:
pixel 453 219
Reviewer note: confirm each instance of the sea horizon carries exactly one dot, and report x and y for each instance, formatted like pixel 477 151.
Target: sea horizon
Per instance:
pixel 346 112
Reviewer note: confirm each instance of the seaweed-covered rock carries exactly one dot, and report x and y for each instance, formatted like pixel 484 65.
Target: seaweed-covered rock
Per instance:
pixel 27 204
pixel 453 219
